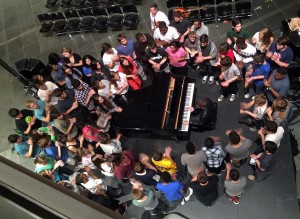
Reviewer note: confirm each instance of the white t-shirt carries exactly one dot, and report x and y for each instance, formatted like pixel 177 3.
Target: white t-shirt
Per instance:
pixel 245 55
pixel 260 111
pixel 113 147
pixel 107 59
pixel 120 83
pixel 104 91
pixel 94 184
pixel 171 34
pixel 43 94
pixel 160 16
pixel 276 137
pixel 258 44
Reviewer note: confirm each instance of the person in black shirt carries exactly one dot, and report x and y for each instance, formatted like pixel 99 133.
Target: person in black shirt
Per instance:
pixel 140 50
pixel 182 25
pixel 158 58
pixel 203 114
pixel 205 188
pixel 24 120
pixel 99 71
pixel 143 174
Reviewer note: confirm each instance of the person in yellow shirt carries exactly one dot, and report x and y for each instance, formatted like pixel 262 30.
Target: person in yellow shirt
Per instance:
pixel 164 162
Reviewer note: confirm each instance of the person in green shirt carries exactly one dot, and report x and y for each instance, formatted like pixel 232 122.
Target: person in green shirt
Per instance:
pixel 236 32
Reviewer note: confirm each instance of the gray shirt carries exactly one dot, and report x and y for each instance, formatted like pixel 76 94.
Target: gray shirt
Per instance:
pixel 235 188
pixel 192 46
pixel 150 203
pixel 241 152
pixel 280 86
pixel 193 162
pixel 203 30
pixel 231 72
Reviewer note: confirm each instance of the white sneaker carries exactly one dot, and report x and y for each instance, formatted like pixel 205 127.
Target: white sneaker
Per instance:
pixel 204 79
pixel 187 198
pixel 183 202
pixel 221 98
pixel 247 95
pixel 232 97
pixel 211 79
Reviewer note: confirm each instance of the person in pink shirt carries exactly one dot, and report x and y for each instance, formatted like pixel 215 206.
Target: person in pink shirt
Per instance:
pixel 177 59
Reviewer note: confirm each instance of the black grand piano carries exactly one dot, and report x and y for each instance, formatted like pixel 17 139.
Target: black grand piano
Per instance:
pixel 160 108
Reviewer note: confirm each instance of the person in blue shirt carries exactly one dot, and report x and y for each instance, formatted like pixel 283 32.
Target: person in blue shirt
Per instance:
pixel 23 146
pixel 54 150
pixel 258 73
pixel 174 191
pixel 126 46
pixel 87 70
pixel 40 110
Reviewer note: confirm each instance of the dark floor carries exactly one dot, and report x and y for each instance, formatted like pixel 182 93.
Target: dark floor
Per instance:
pixel 19 38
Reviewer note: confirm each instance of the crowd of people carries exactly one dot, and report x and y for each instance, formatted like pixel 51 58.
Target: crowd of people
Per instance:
pixel 71 130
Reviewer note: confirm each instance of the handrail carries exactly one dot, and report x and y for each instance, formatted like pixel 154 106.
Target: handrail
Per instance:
pixel 51 195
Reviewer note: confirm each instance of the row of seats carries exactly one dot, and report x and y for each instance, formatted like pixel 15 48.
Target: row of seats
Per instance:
pixel 85 20
pixel 79 4
pixel 212 10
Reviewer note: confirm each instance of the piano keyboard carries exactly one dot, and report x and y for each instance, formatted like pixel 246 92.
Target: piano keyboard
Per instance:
pixel 187 105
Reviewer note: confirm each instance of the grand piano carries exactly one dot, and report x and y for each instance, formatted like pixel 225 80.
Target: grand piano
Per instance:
pixel 160 108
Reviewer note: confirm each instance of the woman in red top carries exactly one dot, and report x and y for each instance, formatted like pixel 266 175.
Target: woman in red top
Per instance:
pixel 128 67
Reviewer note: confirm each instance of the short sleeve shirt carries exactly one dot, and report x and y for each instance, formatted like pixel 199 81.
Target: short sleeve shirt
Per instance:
pixel 43 94
pixel 22 124
pixel 171 190
pixel 158 56
pixel 231 72
pixel 170 36
pixel 281 86
pixel 39 113
pixel 107 59
pixel 182 26
pixel 127 50
pixel 64 105
pixel 123 80
pixel 192 46
pixel 285 56
pixel 242 34
pixel 175 56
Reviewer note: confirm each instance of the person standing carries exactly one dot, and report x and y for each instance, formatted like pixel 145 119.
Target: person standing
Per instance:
pixel 237 31
pixel 177 59
pixel 182 25
pixel 193 159
pixel 205 188
pixel 126 47
pixel 234 184
pixel 200 28
pixel 157 16
pixel 214 155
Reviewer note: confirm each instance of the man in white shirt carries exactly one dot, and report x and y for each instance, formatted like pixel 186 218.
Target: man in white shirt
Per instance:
pixel 157 16
pixel 164 35
pixel 110 57
pixel 243 53
pixel 45 89
pixel 270 132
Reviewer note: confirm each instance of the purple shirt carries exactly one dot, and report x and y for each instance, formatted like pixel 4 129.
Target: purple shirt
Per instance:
pixel 127 50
